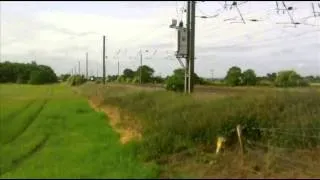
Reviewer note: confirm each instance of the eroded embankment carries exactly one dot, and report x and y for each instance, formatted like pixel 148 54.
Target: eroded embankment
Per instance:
pixel 114 115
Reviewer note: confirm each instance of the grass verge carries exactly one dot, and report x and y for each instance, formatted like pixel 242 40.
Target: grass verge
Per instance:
pixel 67 139
pixel 173 123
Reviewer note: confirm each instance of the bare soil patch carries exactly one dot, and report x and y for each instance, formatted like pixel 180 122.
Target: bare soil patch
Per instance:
pixel 127 133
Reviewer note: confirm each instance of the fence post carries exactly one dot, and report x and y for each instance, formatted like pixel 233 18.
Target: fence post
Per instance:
pixel 240 143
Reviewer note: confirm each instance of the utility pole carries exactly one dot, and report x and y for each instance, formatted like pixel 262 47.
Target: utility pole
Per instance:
pixel 87 66
pixel 97 70
pixel 79 68
pixel 140 66
pixel 211 73
pixel 103 60
pixel 191 39
pixel 118 68
pixel 187 72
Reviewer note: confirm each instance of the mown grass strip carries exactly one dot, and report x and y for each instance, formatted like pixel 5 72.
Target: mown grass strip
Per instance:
pixel 13 159
pixel 21 122
pixel 81 144
pixel 13 114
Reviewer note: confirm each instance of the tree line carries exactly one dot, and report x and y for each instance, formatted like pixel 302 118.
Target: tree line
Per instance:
pixel 235 77
pixel 285 78
pixel 32 73
pixel 29 73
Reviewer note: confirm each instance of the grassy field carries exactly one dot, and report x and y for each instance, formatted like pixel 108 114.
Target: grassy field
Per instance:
pixel 51 132
pixel 180 131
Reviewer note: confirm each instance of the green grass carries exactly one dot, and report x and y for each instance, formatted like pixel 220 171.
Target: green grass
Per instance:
pixel 64 138
pixel 315 84
pixel 174 122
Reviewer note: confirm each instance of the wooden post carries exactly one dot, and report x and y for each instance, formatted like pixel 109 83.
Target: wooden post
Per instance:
pixel 240 143
pixel 104 60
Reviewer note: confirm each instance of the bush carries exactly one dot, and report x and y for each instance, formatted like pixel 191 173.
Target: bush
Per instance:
pixel 289 79
pixel 64 77
pixel 265 83
pixel 175 83
pixel 135 80
pixel 76 80
pixel 98 81
pixel 128 80
pixel 120 79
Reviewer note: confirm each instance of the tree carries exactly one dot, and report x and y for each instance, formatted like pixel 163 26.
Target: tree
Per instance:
pixel 249 77
pixel 121 79
pixel 272 77
pixel 233 77
pixel 180 73
pixel 289 78
pixel 146 74
pixel 157 79
pixel 128 73
pixel 112 78
pixel 313 79
pixel 36 77
pixel 64 77
pixel 76 80
pixel 176 81
pixel 22 73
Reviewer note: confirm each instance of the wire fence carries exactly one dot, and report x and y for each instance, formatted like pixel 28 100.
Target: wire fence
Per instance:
pixel 303 160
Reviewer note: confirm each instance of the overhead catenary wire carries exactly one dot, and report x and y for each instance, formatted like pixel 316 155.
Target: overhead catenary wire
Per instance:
pixel 207 16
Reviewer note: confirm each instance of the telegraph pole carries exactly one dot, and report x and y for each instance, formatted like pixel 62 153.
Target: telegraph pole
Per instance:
pixel 97 70
pixel 79 67
pixel 187 74
pixel 211 73
pixel 103 60
pixel 87 65
pixel 192 15
pixel 140 67
pixel 118 68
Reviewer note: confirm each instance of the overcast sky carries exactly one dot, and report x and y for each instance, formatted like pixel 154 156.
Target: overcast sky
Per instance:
pixel 59 34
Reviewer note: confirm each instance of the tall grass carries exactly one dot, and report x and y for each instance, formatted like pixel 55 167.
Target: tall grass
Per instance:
pixel 172 122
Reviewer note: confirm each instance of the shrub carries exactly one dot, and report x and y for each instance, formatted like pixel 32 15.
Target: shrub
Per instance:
pixel 135 80
pixel 98 81
pixel 175 83
pixel 289 79
pixel 76 80
pixel 120 79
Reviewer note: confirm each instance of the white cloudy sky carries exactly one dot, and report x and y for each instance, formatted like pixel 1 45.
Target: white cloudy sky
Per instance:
pixel 59 34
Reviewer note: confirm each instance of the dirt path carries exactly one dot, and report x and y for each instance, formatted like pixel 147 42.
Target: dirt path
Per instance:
pixel 126 133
